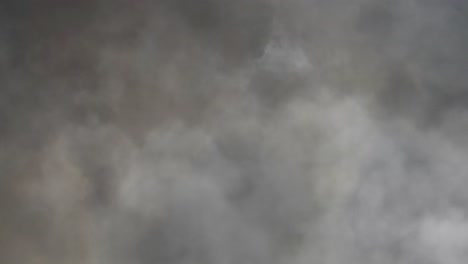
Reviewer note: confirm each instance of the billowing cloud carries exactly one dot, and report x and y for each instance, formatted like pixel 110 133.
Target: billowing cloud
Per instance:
pixel 224 132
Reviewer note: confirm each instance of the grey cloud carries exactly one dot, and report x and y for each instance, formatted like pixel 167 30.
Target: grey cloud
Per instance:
pixel 217 131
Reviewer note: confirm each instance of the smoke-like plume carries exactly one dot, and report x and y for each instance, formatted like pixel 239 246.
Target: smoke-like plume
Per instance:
pixel 226 132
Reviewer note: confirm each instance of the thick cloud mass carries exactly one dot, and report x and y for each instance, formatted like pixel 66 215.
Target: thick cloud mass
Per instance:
pixel 233 132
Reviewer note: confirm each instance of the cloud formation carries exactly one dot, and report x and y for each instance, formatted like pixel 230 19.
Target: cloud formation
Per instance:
pixel 216 131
